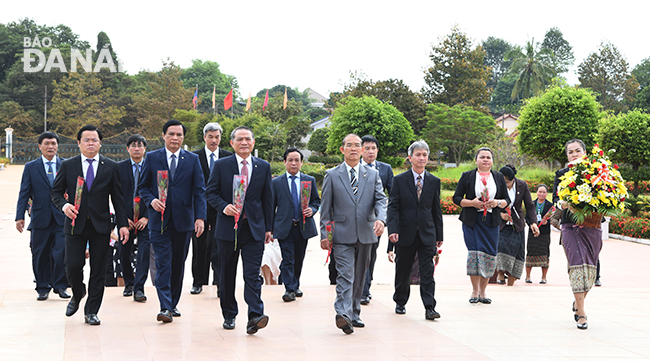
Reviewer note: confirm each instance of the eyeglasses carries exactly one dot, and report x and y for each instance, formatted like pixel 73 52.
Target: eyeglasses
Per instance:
pixel 352 145
pixel 90 140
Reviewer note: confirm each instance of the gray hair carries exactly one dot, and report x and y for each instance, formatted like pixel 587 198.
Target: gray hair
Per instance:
pixel 232 134
pixel 210 127
pixel 419 144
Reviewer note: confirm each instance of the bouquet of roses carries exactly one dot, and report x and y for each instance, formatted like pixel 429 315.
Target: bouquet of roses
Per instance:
pixel 239 185
pixel 548 214
pixel 163 183
pixel 593 185
pixel 485 196
pixel 305 194
pixel 329 227
pixel 136 212
pixel 78 192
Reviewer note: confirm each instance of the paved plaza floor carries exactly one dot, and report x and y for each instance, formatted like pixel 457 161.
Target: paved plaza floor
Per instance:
pixel 524 322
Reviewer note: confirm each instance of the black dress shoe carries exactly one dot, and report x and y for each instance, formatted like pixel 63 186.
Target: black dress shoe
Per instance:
pixel 196 290
pixel 63 293
pixel 139 296
pixel 92 319
pixel 344 323
pixel 288 296
pixel 42 296
pixel 256 323
pixel 365 300
pixel 128 291
pixel 229 324
pixel 400 310
pixel 474 300
pixel 485 300
pixel 431 314
pixel 165 316
pixel 358 323
pixel 72 308
pixel 176 312
pixel 298 293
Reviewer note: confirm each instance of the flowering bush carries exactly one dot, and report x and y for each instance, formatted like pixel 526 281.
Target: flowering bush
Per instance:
pixel 448 206
pixel 637 227
pixel 448 184
pixel 593 185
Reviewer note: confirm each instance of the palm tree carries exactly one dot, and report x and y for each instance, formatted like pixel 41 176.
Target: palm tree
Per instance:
pixel 533 73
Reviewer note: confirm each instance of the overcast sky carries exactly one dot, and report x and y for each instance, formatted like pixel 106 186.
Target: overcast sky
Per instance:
pixel 316 44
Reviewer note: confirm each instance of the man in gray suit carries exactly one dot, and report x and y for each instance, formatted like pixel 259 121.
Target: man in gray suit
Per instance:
pixel 353 199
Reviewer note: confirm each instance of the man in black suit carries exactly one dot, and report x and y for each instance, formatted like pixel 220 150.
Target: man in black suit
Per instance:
pixel 415 226
pixel 130 171
pixel 288 225
pixel 204 247
pixel 92 220
pixel 369 156
pixel 254 227
pixel 46 225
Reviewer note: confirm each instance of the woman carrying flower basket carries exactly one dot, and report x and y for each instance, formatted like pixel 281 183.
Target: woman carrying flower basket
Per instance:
pixel 589 188
pixel 539 247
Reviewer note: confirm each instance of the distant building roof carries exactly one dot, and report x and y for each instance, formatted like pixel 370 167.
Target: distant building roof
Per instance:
pixel 508 122
pixel 321 123
pixel 316 96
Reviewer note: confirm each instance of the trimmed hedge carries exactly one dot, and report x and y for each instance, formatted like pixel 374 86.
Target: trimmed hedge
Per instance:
pixel 332 159
pixel 637 227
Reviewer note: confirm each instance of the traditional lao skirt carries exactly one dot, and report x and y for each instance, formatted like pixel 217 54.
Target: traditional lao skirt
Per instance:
pixel 582 246
pixel 481 242
pixel 510 258
pixel 538 251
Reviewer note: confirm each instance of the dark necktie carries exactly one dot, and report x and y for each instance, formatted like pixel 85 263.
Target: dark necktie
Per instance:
pixel 353 182
pixel 296 200
pixel 50 173
pixel 136 179
pixel 244 172
pixel 211 161
pixel 418 186
pixel 90 174
pixel 172 166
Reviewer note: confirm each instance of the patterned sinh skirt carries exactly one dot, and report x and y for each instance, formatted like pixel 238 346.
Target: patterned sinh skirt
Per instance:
pixel 582 246
pixel 538 250
pixel 481 242
pixel 510 258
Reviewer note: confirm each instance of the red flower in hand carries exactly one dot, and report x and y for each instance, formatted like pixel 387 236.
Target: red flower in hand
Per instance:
pixel 328 228
pixel 164 175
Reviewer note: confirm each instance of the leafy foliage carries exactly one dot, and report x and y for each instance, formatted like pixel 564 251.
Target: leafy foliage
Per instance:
pixel 207 76
pixel 532 70
pixel 318 141
pixel 495 51
pixel 561 56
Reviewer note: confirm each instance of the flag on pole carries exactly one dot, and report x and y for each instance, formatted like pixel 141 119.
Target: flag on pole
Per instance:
pixel 214 94
pixel 227 102
pixel 284 105
pixel 266 100
pixel 196 96
pixel 248 102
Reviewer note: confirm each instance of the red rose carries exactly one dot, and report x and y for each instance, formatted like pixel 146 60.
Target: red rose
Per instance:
pixel 601 153
pixel 328 228
pixel 136 199
pixel 615 166
pixel 572 184
pixel 622 199
pixel 242 181
pixel 164 175
pixel 570 165
pixel 588 176
pixel 596 145
pixel 80 182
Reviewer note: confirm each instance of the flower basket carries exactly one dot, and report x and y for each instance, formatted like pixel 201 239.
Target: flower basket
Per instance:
pixel 592 220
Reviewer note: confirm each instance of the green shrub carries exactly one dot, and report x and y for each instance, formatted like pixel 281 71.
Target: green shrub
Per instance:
pixel 332 159
pixel 395 162
pixel 448 206
pixel 637 227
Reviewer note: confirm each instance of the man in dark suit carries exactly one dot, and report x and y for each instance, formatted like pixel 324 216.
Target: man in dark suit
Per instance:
pixel 92 220
pixel 183 212
pixel 353 199
pixel 253 228
pixel 130 171
pixel 204 247
pixel 369 156
pixel 46 225
pixel 288 226
pixel 415 227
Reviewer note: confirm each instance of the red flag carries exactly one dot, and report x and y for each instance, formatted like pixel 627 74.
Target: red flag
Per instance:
pixel 266 100
pixel 227 102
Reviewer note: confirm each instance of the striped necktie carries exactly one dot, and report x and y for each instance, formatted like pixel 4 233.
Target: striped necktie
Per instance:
pixel 354 182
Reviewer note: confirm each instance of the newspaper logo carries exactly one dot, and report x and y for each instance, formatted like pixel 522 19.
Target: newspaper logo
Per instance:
pixel 33 54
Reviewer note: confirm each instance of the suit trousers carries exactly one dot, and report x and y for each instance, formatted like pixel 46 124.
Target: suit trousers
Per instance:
pixel 403 264
pixel 202 255
pixel 143 260
pixel 251 251
pixel 351 264
pixel 126 252
pixel 75 259
pixel 293 249
pixel 371 269
pixel 171 249
pixel 48 252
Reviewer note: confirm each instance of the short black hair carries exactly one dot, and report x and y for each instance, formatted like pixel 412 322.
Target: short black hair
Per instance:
pixel 89 128
pixel 509 171
pixel 136 138
pixel 542 185
pixel 344 138
pixel 48 135
pixel 173 122
pixel 369 139
pixel 291 150
pixel 241 127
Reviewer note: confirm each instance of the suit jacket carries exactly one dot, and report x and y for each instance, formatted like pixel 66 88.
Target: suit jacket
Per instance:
pixel 522 195
pixel 385 173
pixel 185 190
pixel 203 160
pixel 407 215
pixel 126 178
pixel 283 207
pixel 353 219
pixel 94 201
pixel 257 203
pixel 465 190
pixel 35 186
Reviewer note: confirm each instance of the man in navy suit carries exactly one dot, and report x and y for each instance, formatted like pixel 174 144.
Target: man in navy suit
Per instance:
pixel 369 155
pixel 93 224
pixel 130 171
pixel 46 225
pixel 288 226
pixel 184 212
pixel 204 247
pixel 254 227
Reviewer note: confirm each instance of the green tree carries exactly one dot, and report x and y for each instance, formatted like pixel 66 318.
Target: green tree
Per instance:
pixel 368 115
pixel 607 74
pixel 642 74
pixel 457 130
pixel 495 51
pixel 458 74
pixel 207 75
pixel 561 56
pixel 629 134
pixel 532 70
pixel 501 101
pixel 14 116
pixel 547 122
pixel 318 141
